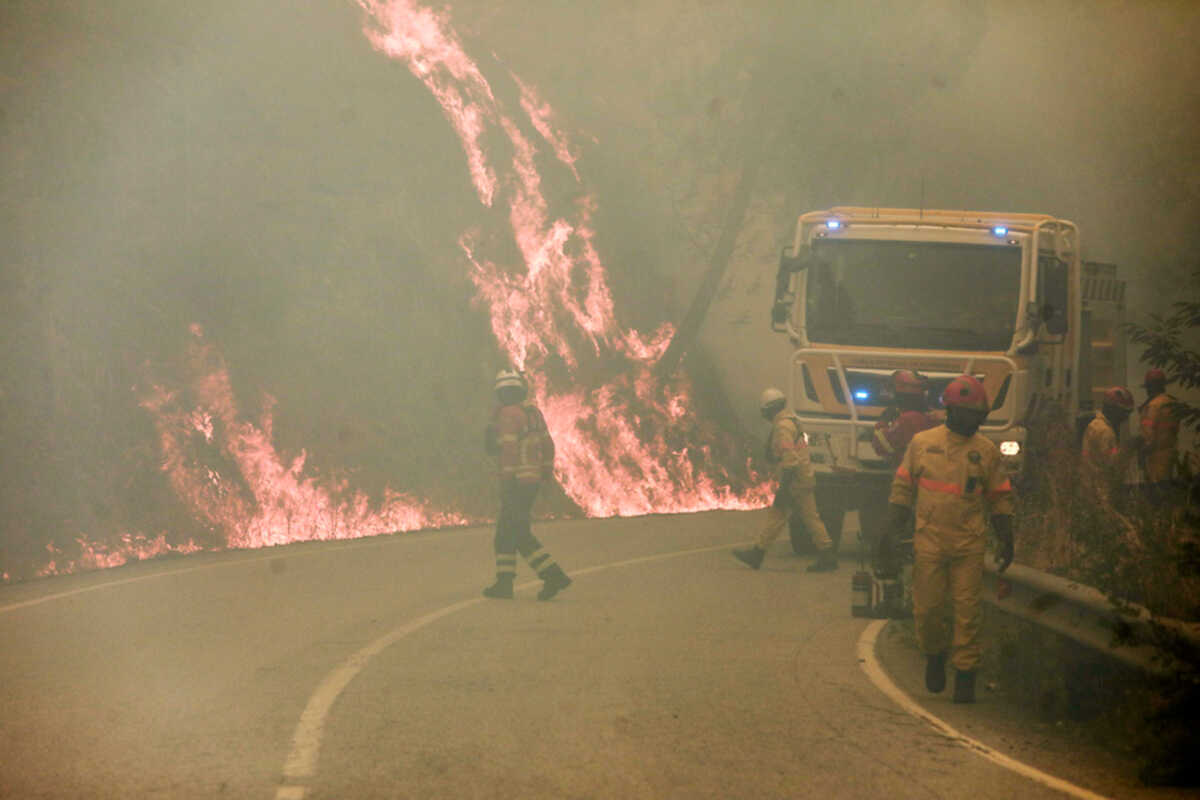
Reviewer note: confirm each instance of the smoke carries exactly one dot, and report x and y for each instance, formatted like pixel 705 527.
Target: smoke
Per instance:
pixel 260 169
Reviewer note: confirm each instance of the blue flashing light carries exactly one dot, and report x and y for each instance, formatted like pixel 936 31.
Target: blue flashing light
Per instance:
pixel 833 224
pixel 1000 230
pixel 862 394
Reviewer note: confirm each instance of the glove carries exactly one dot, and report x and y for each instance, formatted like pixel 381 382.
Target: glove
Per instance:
pixel 1002 524
pixel 886 562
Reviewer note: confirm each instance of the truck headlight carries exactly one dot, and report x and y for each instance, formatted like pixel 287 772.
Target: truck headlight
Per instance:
pixel 1010 448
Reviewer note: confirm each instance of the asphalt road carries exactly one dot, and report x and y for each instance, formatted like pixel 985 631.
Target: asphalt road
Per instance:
pixel 374 669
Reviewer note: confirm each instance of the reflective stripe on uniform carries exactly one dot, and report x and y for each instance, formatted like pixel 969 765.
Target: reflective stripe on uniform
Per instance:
pixel 1002 489
pixel 540 561
pixel 939 486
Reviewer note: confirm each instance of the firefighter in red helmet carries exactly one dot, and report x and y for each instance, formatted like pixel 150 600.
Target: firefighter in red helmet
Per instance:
pixel 952 477
pixel 1101 456
pixel 907 416
pixel 518 438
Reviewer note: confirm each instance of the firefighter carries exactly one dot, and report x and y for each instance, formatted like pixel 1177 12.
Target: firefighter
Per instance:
pixel 787 452
pixel 908 416
pixel 1101 450
pixel 1159 434
pixel 521 443
pixel 952 477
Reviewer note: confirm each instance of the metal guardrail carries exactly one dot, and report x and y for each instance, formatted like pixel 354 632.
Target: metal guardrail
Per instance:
pixel 1084 615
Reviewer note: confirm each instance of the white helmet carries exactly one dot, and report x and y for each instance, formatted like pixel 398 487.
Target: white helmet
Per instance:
pixel 771 397
pixel 509 378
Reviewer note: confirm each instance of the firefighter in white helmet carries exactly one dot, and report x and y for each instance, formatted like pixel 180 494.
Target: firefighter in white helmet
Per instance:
pixel 953 479
pixel 521 443
pixel 787 452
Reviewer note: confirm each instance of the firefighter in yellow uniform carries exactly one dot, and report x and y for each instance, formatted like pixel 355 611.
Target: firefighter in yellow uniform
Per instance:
pixel 951 476
pixel 787 453
pixel 524 451
pixel 1101 453
pixel 1160 432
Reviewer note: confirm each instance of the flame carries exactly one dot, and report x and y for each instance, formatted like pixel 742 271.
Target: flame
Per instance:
pixel 97 555
pixel 227 470
pixel 542 116
pixel 420 37
pixel 633 446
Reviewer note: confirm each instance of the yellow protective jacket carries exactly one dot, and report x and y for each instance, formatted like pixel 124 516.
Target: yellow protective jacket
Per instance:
pixel 786 449
pixel 1101 456
pixel 1100 444
pixel 954 484
pixel 1160 430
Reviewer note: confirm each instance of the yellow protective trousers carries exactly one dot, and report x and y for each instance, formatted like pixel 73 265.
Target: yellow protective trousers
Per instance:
pixel 947 584
pixel 952 483
pixel 804 504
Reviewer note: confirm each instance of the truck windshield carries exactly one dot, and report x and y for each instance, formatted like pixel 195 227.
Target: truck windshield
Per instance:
pixel 925 295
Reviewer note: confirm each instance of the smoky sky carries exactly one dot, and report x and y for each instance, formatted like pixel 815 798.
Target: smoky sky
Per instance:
pixel 133 132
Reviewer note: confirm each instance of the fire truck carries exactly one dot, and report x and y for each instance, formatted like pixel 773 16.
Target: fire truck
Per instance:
pixel 863 292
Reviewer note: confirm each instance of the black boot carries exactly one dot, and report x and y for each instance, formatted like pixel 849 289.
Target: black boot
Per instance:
pixel 964 686
pixel 501 589
pixel 935 672
pixel 826 562
pixel 752 557
pixel 554 580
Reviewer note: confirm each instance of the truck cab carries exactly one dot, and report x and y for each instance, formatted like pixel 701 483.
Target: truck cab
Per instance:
pixel 863 292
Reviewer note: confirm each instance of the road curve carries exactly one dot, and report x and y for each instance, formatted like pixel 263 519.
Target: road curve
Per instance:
pixel 667 670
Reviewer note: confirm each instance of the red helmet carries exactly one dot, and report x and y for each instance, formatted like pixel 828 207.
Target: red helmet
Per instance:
pixel 905 381
pixel 965 391
pixel 1119 397
pixel 1154 375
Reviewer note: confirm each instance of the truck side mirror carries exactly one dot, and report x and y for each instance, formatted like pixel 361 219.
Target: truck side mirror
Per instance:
pixel 798 262
pixel 1055 318
pixel 1053 295
pixel 788 265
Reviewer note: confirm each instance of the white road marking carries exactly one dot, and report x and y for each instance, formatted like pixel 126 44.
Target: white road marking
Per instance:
pixel 871 666
pixel 306 741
